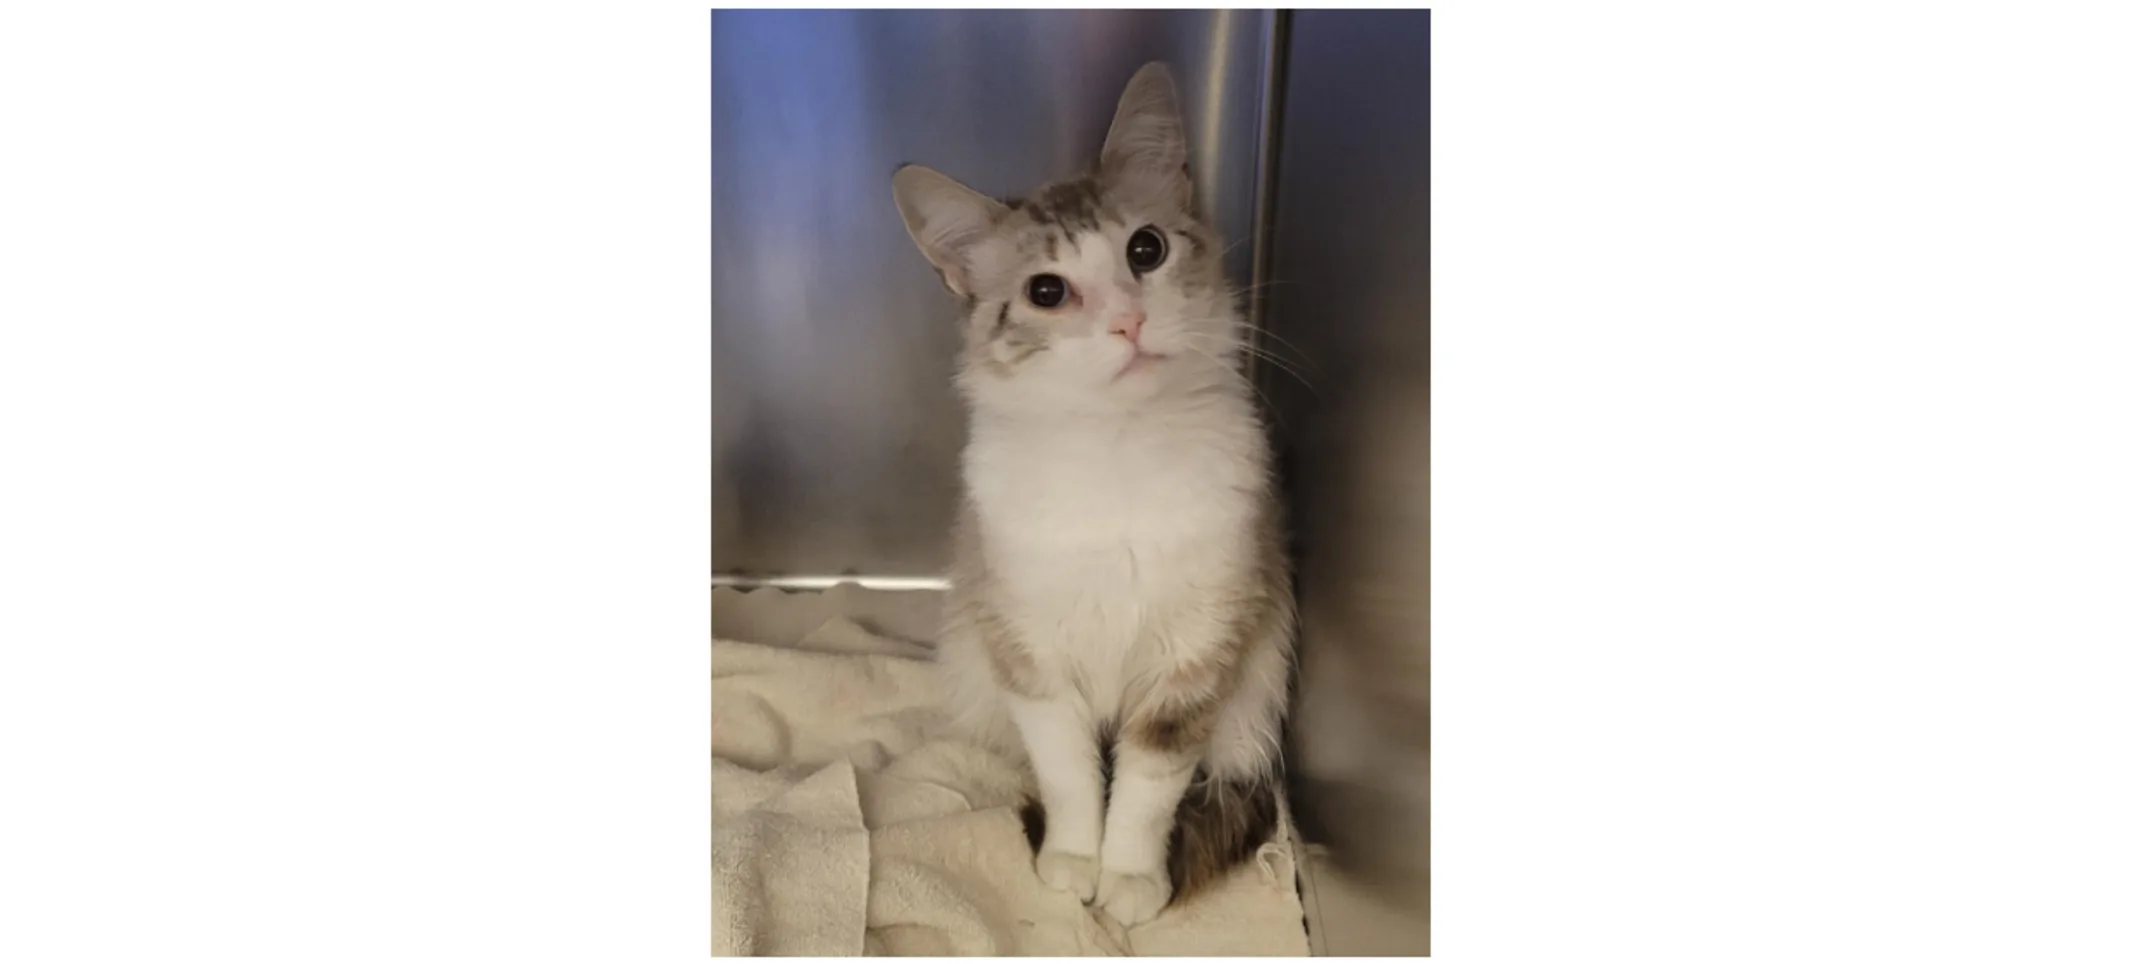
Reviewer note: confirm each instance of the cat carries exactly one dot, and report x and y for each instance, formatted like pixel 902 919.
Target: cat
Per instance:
pixel 1121 612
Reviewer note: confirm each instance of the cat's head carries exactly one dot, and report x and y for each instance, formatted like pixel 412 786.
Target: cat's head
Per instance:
pixel 1095 293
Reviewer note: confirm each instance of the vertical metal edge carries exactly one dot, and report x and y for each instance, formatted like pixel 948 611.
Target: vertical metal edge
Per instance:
pixel 1277 28
pixel 1277 25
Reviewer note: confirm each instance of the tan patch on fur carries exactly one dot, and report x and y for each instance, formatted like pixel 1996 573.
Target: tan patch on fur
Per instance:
pixel 1008 659
pixel 1175 724
pixel 1179 712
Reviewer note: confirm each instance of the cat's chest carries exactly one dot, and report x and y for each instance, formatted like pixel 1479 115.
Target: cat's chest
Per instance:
pixel 1091 540
pixel 1158 493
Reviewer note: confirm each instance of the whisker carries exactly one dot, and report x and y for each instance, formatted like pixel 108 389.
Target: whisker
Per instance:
pixel 1296 349
pixel 1299 357
pixel 1268 405
pixel 1258 352
pixel 1288 369
pixel 1282 363
pixel 1229 248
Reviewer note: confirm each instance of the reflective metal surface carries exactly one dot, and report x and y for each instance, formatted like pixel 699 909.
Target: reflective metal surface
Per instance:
pixel 1347 307
pixel 836 432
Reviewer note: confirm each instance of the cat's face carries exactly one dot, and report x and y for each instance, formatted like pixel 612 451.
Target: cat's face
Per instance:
pixel 1095 293
pixel 1083 296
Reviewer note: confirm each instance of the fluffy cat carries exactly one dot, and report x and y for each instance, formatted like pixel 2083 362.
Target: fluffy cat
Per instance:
pixel 1121 613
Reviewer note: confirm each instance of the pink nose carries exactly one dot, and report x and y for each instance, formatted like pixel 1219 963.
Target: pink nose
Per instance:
pixel 1128 325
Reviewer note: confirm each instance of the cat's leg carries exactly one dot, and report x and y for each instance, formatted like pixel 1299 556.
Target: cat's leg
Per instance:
pixel 1056 728
pixel 1166 730
pixel 1063 745
pixel 1154 761
pixel 1217 706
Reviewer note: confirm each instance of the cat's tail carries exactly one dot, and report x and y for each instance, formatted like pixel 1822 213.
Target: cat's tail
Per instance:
pixel 1219 825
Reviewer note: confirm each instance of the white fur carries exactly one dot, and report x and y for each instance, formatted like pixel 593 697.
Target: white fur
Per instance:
pixel 1118 530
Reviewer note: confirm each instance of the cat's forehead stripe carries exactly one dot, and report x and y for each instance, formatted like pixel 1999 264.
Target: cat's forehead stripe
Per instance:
pixel 1072 203
pixel 1067 207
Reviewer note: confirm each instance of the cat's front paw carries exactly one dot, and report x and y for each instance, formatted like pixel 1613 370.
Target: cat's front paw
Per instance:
pixel 1133 898
pixel 1076 874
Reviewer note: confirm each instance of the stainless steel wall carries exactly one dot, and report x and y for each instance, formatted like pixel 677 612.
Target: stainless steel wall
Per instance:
pixel 1348 307
pixel 836 432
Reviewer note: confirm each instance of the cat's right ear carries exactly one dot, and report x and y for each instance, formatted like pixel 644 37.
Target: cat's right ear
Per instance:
pixel 947 219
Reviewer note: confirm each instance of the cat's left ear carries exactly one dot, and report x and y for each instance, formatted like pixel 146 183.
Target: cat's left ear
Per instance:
pixel 1147 153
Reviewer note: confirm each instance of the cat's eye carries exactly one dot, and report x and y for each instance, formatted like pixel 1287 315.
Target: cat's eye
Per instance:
pixel 1046 290
pixel 1147 249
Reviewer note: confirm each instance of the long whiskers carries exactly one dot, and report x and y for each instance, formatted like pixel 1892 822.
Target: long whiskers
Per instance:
pixel 1233 372
pixel 1301 356
pixel 1258 352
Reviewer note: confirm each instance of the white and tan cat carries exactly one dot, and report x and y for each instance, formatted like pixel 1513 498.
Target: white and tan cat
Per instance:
pixel 1120 595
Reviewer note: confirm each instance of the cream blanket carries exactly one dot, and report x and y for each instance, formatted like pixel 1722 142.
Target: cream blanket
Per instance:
pixel 846 821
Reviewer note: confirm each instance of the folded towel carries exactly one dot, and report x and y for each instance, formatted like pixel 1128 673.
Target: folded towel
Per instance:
pixel 847 820
pixel 790 862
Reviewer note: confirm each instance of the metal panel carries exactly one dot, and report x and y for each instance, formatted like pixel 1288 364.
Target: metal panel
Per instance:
pixel 1347 307
pixel 836 430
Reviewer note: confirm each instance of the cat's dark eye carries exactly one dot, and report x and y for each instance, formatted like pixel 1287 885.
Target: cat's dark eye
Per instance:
pixel 1046 290
pixel 1147 250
